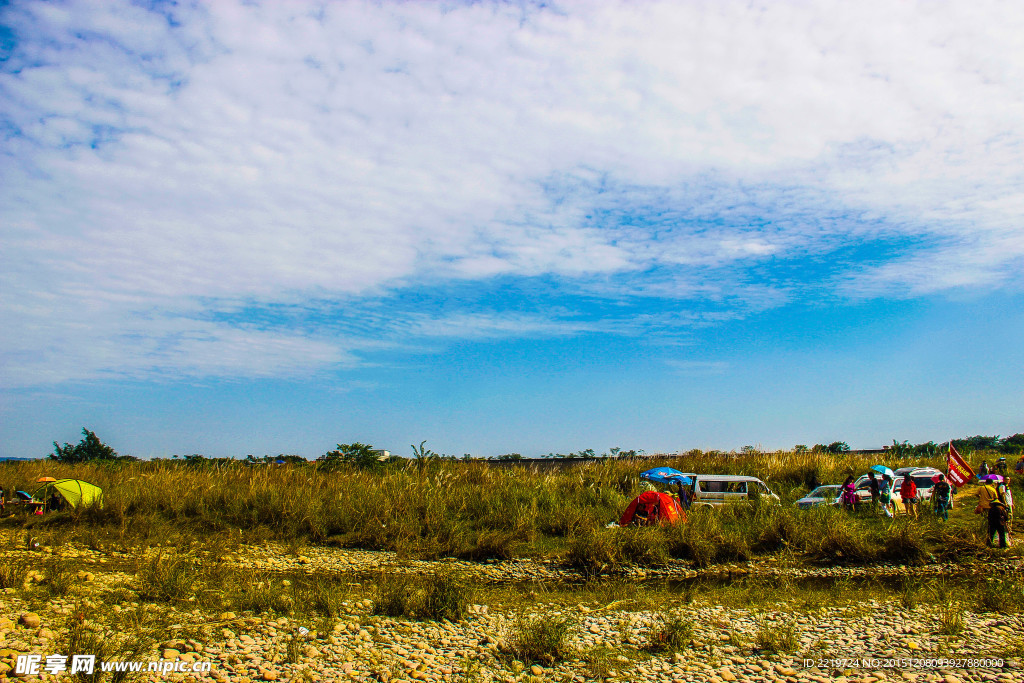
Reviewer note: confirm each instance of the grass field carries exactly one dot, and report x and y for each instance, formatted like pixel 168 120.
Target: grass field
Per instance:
pixel 471 510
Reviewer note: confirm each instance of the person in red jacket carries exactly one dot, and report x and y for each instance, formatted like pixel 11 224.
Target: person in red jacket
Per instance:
pixel 908 492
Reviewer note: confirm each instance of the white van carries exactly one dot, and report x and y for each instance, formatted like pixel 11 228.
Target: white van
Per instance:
pixel 722 489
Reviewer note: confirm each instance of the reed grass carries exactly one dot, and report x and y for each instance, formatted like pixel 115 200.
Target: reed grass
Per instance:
pixel 473 510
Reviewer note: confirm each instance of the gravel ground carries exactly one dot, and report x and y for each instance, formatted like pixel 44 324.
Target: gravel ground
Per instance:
pixel 880 640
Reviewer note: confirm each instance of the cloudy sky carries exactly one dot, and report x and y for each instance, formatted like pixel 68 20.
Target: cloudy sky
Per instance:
pixel 232 228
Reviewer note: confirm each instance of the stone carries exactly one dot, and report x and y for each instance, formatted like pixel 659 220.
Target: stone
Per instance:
pixel 536 670
pixel 30 619
pixel 170 653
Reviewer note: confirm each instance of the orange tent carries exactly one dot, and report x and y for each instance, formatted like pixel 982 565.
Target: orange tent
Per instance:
pixel 653 507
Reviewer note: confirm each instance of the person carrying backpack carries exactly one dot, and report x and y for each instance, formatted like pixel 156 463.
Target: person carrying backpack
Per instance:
pixel 998 518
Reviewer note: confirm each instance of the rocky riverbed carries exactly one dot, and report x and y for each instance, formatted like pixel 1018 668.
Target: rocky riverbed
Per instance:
pixel 867 640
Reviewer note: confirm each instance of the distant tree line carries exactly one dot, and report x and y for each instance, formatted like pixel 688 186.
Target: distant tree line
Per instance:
pixel 365 456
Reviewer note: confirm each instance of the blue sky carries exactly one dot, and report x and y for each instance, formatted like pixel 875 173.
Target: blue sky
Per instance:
pixel 241 228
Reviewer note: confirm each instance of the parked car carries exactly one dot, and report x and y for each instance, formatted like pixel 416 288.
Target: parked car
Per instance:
pixel 823 495
pixel 922 476
pixel 723 489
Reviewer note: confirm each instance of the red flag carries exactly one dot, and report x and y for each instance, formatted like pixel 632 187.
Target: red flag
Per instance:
pixel 960 473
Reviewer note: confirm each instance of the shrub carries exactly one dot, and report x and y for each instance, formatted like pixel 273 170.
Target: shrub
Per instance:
pixel 12 573
pixel 543 639
pixel 910 591
pixel 1001 594
pixel 264 594
pixel 446 597
pixel 105 646
pixel 599 662
pixel 59 578
pixel 396 596
pixel 907 545
pixel 166 580
pixel 674 634
pixel 594 553
pixel 325 597
pixel 644 546
pixel 950 620
pixel 775 638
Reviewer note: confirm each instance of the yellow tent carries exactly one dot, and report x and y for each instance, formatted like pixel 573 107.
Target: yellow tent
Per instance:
pixel 75 491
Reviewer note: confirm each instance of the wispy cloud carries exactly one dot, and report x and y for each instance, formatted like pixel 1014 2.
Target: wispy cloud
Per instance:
pixel 159 165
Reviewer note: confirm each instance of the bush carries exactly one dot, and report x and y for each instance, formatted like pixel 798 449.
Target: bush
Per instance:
pixel 543 639
pixel 396 596
pixel 673 635
pixel 12 573
pixel 907 545
pixel 105 646
pixel 644 546
pixel 775 638
pixel 950 620
pixel 166 580
pixel 59 578
pixel 446 597
pixel 1001 594
pixel 264 594
pixel 594 553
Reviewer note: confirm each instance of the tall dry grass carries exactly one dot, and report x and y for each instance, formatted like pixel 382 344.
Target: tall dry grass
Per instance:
pixel 474 510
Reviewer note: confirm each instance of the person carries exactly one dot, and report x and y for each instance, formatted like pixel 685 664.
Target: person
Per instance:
pixel 885 495
pixel 986 494
pixel 1001 466
pixel 1005 494
pixel 54 504
pixel 908 492
pixel 1019 467
pixel 983 470
pixel 3 501
pixel 684 497
pixel 849 494
pixel 998 517
pixel 941 498
pixel 873 487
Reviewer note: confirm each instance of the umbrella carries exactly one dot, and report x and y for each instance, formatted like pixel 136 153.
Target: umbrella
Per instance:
pixel 43 480
pixel 991 477
pixel 882 469
pixel 666 475
pixel 23 495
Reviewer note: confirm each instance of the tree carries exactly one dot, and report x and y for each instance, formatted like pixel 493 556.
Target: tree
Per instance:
pixel 900 449
pixel 89 449
pixel 800 448
pixel 838 447
pixel 362 455
pixel 927 449
pixel 423 456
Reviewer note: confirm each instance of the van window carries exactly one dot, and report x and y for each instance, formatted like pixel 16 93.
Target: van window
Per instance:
pixel 735 487
pixel 712 486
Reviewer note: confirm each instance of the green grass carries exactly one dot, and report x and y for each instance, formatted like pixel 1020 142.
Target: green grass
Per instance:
pixel 541 639
pixel 776 638
pixel 672 634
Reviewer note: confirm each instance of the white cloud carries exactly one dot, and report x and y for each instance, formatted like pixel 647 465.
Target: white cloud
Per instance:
pixel 281 152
